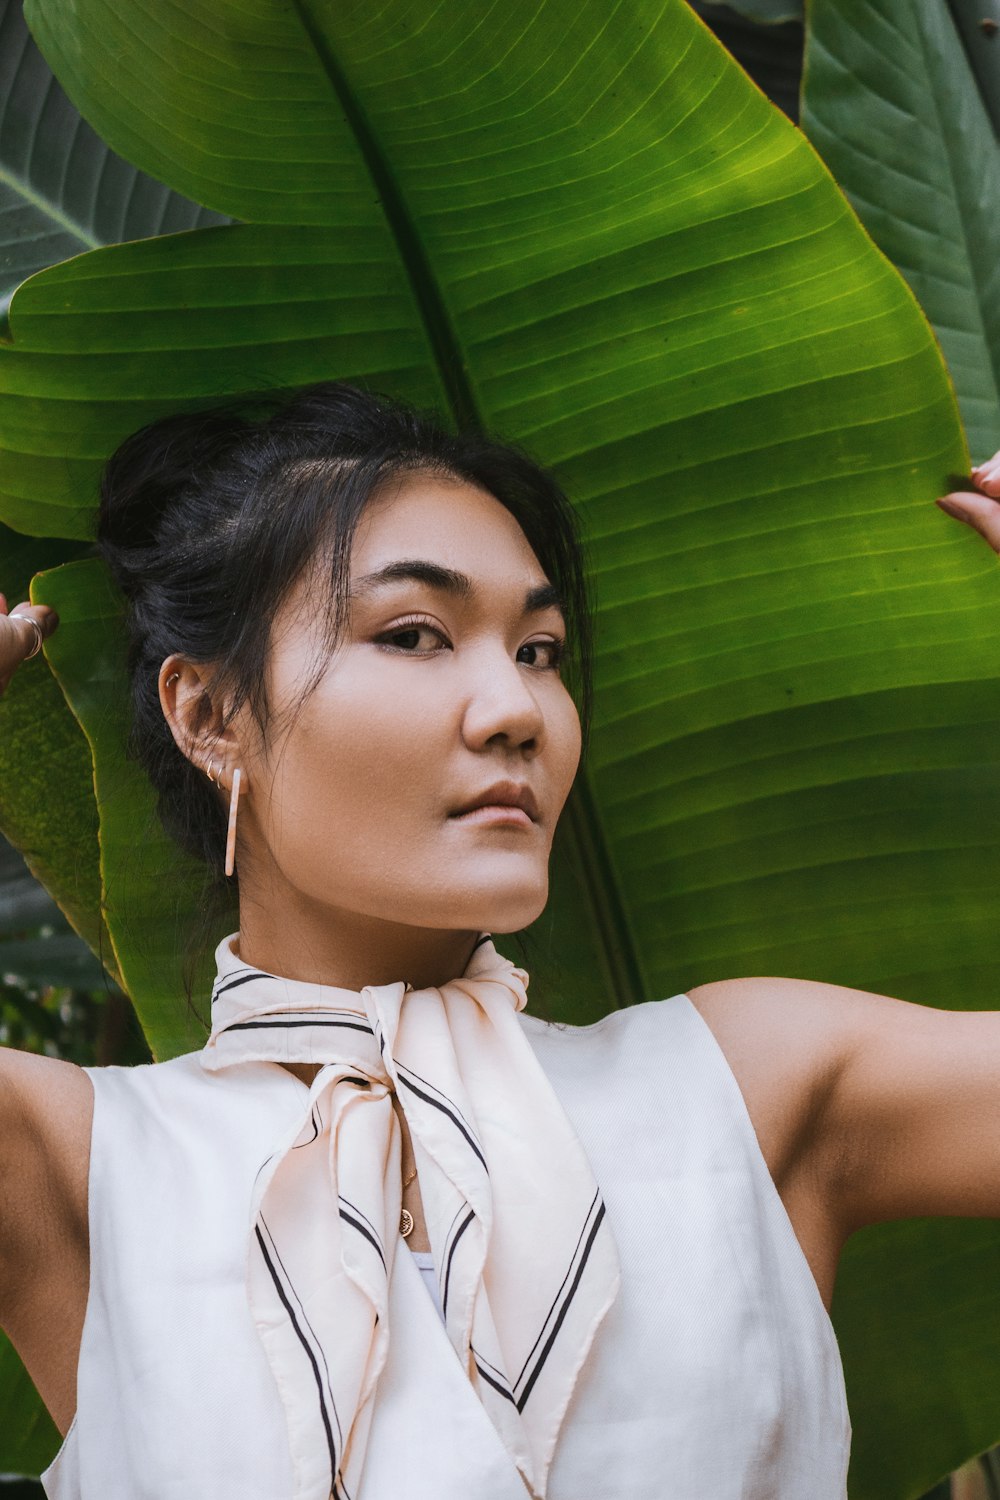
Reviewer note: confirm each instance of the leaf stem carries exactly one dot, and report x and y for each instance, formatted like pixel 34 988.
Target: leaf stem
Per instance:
pixel 599 881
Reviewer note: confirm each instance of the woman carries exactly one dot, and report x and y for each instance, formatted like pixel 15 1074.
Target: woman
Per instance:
pixel 347 635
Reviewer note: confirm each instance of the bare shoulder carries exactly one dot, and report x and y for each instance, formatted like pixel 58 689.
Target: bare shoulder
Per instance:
pixel 786 1041
pixel 44 1097
pixel 750 1015
pixel 797 1023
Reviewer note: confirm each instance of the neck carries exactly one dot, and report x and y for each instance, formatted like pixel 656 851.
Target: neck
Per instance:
pixel 324 945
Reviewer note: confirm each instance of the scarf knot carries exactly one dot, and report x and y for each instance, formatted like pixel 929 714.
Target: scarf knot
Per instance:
pixel 526 1263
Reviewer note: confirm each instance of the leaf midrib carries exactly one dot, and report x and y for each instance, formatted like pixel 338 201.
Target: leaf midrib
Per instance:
pixel 416 265
pixel 88 240
pixel 590 852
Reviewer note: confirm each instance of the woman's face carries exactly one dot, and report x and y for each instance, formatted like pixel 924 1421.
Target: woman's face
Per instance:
pixel 444 692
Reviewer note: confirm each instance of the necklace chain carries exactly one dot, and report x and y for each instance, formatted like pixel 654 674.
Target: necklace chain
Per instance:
pixel 406 1218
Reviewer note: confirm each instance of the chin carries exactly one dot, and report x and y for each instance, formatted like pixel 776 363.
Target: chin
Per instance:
pixel 498 914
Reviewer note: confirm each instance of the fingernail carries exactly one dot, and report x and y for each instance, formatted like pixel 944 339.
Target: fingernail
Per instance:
pixel 951 509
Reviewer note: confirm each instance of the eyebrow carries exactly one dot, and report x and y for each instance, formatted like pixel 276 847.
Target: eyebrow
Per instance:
pixel 448 581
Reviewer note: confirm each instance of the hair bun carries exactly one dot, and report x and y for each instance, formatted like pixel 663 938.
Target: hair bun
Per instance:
pixel 150 473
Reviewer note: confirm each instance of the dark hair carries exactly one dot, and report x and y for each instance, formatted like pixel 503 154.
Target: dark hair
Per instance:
pixel 208 518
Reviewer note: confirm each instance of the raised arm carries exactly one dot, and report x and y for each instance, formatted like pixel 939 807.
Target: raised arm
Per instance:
pixel 866 1108
pixel 46 1107
pixel 916 1098
pixel 869 1108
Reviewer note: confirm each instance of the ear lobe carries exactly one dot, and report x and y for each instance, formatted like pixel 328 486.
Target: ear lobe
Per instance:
pixel 194 719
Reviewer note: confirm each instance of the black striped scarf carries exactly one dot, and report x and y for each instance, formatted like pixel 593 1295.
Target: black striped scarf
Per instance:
pixel 508 1195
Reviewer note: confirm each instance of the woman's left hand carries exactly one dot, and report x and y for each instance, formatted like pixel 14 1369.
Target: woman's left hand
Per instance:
pixel 979 508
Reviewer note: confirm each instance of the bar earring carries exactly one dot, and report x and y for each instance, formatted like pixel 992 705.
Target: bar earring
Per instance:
pixel 234 798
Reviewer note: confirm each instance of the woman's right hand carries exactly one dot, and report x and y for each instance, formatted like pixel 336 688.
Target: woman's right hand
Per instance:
pixel 17 639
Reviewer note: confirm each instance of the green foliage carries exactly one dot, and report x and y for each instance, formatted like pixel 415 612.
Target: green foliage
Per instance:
pixel 978 24
pixel 768 11
pixel 921 1364
pixel 580 225
pixel 30 1438
pixel 913 146
pixel 145 879
pixel 47 807
pixel 61 190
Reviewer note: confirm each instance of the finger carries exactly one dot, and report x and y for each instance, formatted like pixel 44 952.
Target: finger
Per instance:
pixel 46 616
pixel 987 476
pixel 46 621
pixel 977 511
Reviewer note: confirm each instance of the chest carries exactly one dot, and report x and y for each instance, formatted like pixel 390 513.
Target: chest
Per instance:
pixel 715 1371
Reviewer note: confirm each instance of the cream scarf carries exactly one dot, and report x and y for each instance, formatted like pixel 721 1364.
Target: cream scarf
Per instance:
pixel 526 1262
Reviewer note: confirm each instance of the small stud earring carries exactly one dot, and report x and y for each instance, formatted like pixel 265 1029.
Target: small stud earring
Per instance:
pixel 234 798
pixel 172 678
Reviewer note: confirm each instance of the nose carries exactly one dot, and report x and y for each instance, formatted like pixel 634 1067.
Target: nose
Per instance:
pixel 502 707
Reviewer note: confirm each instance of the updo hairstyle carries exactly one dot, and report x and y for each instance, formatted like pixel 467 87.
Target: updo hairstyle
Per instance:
pixel 207 519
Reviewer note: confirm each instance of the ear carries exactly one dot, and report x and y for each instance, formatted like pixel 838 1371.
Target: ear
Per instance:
pixel 195 721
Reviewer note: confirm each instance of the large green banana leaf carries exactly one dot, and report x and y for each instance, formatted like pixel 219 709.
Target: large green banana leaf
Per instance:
pixel 579 223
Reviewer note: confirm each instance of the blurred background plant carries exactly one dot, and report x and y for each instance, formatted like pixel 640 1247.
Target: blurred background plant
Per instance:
pixel 55 996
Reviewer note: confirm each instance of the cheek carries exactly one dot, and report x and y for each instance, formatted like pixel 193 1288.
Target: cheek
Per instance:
pixel 358 768
pixel 359 791
pixel 565 740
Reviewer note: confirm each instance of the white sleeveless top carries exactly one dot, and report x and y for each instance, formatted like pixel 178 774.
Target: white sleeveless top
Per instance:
pixel 425 1264
pixel 715 1373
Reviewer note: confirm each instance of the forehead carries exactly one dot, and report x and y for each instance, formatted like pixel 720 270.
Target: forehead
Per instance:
pixel 446 521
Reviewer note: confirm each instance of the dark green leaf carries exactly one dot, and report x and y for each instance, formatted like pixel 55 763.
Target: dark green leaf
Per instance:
pixel 28 1437
pixel 769 12
pixel 146 881
pixel 47 805
pixel 890 103
pixel 918 1304
pixel 978 24
pixel 61 190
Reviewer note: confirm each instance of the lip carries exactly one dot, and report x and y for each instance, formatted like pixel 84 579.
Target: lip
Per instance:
pixel 512 817
pixel 508 802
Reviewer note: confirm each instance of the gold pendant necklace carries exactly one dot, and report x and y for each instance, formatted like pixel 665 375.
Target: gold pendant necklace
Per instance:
pixel 406 1218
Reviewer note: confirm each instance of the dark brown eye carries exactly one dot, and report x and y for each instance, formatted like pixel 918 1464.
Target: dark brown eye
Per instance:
pixel 551 653
pixel 405 637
